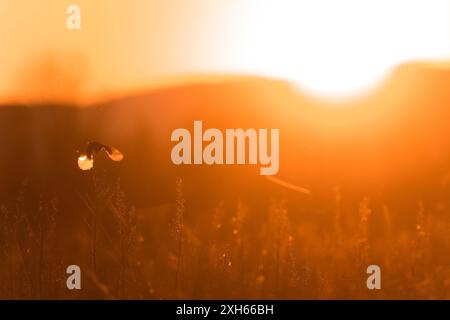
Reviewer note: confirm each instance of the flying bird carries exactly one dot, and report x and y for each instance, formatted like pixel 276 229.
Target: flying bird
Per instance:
pixel 86 159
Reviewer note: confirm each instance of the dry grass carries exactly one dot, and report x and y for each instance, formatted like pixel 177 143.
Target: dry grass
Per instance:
pixel 230 250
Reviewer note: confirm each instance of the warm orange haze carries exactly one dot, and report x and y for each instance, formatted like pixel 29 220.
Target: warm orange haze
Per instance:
pixel 87 127
pixel 330 48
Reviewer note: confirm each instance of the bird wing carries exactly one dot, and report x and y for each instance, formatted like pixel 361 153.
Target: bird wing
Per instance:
pixel 84 163
pixel 114 154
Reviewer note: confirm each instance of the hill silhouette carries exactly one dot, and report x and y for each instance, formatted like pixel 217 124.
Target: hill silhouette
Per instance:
pixel 397 134
pixel 377 168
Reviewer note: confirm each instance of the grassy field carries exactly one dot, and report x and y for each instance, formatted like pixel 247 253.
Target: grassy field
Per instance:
pixel 227 251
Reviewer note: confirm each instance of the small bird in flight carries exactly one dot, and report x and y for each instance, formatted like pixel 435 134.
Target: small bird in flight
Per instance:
pixel 86 159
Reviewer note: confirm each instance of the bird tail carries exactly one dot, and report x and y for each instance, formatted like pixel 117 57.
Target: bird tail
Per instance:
pixel 114 154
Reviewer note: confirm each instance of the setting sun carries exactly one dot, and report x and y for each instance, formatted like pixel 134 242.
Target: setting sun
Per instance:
pixel 328 48
pixel 339 47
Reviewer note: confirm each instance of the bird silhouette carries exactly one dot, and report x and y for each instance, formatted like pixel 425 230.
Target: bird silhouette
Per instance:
pixel 86 158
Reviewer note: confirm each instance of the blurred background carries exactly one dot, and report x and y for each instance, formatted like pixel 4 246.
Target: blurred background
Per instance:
pixel 358 89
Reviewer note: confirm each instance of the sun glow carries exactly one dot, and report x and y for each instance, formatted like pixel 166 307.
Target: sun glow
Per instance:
pixel 328 47
pixel 339 47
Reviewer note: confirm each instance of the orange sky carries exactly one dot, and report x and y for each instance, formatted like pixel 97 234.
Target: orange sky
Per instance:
pixel 128 45
pixel 117 42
